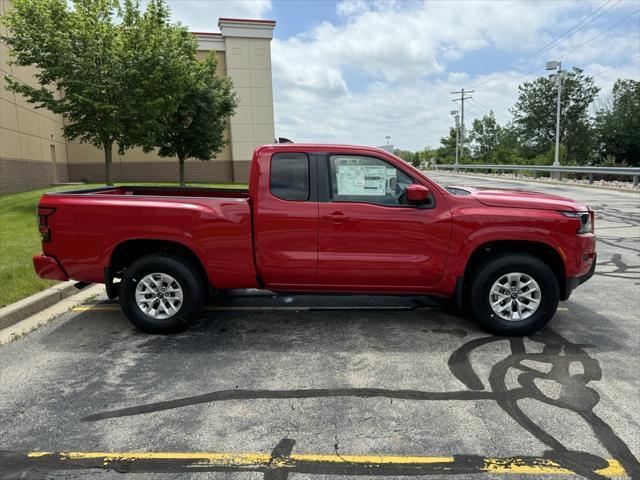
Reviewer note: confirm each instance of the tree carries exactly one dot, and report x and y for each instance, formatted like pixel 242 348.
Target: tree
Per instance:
pixel 618 123
pixel 485 137
pixel 447 150
pixel 416 161
pixel 196 128
pixel 112 71
pixel 534 116
pixel 406 155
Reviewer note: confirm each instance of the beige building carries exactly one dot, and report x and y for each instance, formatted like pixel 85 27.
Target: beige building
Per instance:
pixel 34 154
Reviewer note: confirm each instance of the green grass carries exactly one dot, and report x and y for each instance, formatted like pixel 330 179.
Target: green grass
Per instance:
pixel 20 240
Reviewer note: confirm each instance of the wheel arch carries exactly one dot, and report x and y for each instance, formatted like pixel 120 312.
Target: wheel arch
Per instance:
pixel 487 250
pixel 128 251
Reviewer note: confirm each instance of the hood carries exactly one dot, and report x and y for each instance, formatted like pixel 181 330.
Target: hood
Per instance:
pixel 497 197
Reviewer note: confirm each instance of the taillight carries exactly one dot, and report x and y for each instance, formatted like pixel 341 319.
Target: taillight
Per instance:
pixel 43 223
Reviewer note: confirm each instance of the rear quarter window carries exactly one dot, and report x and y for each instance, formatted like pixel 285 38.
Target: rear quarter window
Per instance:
pixel 290 176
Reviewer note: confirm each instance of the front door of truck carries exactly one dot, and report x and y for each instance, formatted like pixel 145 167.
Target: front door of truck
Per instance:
pixel 370 238
pixel 286 221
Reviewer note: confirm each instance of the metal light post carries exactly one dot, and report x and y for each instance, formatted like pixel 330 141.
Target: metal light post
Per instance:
pixel 559 76
pixel 457 118
pixel 387 137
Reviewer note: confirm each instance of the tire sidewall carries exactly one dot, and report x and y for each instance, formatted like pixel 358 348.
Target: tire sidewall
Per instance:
pixel 500 266
pixel 183 273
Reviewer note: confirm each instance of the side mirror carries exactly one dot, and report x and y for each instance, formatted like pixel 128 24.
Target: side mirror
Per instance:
pixel 417 194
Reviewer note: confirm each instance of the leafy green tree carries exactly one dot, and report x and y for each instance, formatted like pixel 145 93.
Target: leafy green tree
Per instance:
pixel 416 160
pixel 618 123
pixel 113 71
pixel 197 127
pixel 534 116
pixel 447 150
pixel 485 137
pixel 406 155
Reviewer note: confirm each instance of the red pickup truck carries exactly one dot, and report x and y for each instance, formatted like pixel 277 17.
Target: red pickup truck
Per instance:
pixel 321 218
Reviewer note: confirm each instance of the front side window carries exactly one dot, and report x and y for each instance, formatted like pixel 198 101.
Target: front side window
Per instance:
pixel 367 180
pixel 290 176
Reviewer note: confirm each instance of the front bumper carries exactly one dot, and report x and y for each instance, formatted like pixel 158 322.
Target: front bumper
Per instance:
pixel 48 267
pixel 573 282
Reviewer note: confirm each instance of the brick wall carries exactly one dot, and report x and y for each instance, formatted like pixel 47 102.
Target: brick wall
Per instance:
pixel 212 171
pixel 20 175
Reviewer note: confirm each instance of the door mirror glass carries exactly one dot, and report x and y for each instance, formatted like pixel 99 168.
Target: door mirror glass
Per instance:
pixel 417 194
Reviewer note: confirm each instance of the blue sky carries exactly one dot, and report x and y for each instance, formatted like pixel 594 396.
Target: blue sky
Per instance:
pixel 353 71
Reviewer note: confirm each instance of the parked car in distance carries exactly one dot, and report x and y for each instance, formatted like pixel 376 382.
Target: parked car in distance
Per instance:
pixel 321 218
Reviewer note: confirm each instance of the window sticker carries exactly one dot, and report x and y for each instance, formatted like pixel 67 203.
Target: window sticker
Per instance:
pixel 368 180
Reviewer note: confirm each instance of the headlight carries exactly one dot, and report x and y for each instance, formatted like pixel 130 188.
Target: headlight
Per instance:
pixel 586 225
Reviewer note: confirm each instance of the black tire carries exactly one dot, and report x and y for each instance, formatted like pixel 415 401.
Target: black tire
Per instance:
pixel 188 279
pixel 493 269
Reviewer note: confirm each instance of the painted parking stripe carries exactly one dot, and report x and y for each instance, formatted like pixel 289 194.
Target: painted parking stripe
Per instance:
pixel 116 308
pixel 353 465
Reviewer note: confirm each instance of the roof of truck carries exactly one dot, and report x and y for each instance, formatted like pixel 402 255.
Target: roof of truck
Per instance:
pixel 321 146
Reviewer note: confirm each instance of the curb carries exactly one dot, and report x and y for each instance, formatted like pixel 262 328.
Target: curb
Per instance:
pixel 42 317
pixel 12 314
pixel 533 182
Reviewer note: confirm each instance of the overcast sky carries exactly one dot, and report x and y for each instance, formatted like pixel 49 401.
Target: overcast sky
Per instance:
pixel 354 71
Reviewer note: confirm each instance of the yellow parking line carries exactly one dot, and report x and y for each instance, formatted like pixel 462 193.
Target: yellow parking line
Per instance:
pixel 367 459
pixel 513 466
pixel 96 308
pixel 543 467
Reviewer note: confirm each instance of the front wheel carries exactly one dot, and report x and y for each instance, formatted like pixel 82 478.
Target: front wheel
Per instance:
pixel 514 294
pixel 161 294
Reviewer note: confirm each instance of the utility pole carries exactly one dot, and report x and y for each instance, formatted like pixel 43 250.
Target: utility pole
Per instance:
pixel 457 119
pixel 461 100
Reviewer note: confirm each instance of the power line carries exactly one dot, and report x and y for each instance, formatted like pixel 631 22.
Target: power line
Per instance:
pixel 599 74
pixel 483 106
pixel 564 36
pixel 486 109
pixel 524 74
pixel 560 38
pixel 599 35
pixel 564 54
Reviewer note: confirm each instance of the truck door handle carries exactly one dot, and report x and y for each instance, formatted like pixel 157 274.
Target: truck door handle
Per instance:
pixel 336 217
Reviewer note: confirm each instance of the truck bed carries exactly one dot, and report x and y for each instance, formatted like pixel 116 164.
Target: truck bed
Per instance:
pixel 89 226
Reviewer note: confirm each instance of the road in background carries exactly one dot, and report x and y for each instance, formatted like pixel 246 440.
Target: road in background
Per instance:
pixel 317 386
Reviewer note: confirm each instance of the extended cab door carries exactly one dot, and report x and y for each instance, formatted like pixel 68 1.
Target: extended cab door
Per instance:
pixel 370 238
pixel 285 223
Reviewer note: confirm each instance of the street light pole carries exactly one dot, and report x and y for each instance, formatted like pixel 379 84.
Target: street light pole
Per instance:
pixel 557 65
pixel 556 161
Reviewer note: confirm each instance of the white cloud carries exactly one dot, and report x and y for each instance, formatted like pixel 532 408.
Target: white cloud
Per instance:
pixel 383 69
pixel 202 16
pixel 347 8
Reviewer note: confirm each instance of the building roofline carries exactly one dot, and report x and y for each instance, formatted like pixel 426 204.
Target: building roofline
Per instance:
pixel 207 34
pixel 246 20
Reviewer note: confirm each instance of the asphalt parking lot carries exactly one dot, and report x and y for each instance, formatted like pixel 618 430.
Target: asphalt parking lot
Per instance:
pixel 319 387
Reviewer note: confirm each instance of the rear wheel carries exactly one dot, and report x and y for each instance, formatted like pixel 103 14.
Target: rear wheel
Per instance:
pixel 514 294
pixel 161 294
